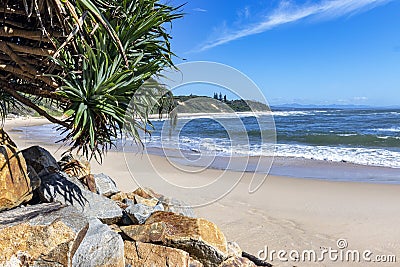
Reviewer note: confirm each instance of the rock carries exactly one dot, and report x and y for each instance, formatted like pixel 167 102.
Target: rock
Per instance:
pixel 145 254
pixel 194 263
pixel 15 186
pixel 40 160
pixel 170 204
pixel 115 228
pixel 100 247
pixel 151 202
pixel 147 233
pixel 202 239
pixel 89 183
pixel 35 179
pixel 74 167
pixel 40 235
pixel 158 232
pixel 237 262
pixel 128 202
pixel 105 185
pixel 5 139
pixel 68 190
pixel 177 206
pixel 234 249
pixel 255 260
pixel 126 220
pixel 140 212
pixel 145 193
pixel 119 197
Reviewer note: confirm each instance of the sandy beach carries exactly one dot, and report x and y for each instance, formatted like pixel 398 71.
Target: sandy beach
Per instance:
pixel 284 214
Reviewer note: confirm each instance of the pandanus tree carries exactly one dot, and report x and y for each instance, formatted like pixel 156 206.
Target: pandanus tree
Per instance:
pixel 89 58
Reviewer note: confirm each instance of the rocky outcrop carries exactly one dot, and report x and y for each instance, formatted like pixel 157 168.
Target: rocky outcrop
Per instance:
pixel 68 190
pixel 105 185
pixel 145 254
pixel 40 160
pixel 71 229
pixel 41 235
pixel 15 186
pixel 101 246
pixel 200 238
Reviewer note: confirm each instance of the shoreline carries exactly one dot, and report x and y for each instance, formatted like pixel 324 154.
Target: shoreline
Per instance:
pixel 285 213
pixel 295 167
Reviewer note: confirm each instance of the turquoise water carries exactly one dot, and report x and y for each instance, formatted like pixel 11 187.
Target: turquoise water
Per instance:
pixel 367 137
pixel 334 144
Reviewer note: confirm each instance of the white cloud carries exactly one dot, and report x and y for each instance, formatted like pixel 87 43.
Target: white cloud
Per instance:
pixel 288 13
pixel 244 13
pixel 360 98
pixel 197 9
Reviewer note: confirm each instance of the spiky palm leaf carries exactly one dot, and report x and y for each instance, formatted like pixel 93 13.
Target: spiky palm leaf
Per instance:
pixel 101 52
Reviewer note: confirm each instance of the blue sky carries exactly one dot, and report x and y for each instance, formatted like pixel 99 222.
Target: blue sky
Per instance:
pixel 309 52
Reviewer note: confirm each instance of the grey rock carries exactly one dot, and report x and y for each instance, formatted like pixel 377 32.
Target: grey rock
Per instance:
pixel 140 212
pixel 177 206
pixel 128 201
pixel 68 190
pixel 100 247
pixel 105 185
pixel 40 160
pixel 53 232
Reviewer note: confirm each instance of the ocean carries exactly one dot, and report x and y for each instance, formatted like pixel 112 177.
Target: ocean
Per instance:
pixel 333 144
pixel 366 137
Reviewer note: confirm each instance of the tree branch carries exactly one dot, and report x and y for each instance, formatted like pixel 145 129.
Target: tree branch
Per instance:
pixel 27 34
pixel 31 50
pixel 27 102
pixel 9 10
pixel 15 70
pixel 36 90
pixel 25 65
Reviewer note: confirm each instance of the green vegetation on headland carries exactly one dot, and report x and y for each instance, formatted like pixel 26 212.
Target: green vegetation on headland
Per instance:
pixel 217 104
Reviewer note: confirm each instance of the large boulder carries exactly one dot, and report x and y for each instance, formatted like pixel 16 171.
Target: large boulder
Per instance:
pixel 202 239
pixel 41 235
pixel 147 233
pixel 40 160
pixel 105 185
pixel 101 246
pixel 15 186
pixel 146 254
pixel 68 190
